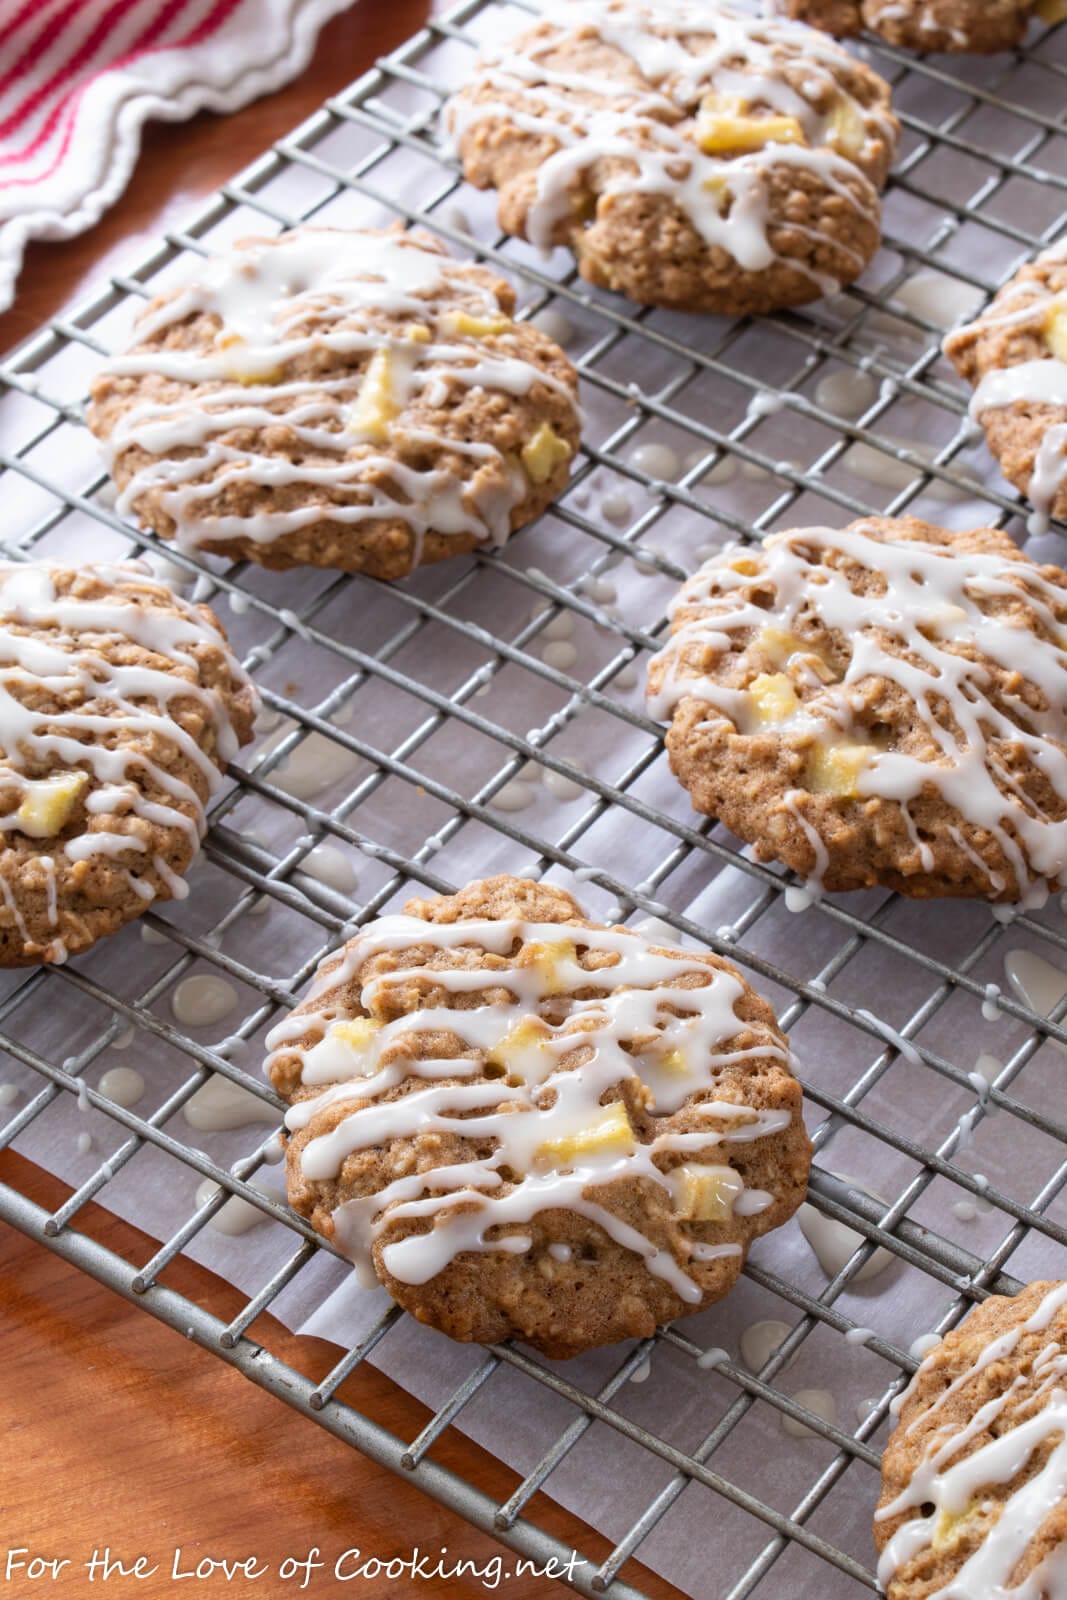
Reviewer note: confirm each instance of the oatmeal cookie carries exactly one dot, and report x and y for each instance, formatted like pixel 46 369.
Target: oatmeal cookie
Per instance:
pixel 881 704
pixel 979 27
pixel 530 1125
pixel 1015 356
pixel 340 399
pixel 691 156
pixel 122 705
pixel 973 1501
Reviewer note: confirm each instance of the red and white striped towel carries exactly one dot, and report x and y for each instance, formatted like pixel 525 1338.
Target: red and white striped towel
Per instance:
pixel 79 78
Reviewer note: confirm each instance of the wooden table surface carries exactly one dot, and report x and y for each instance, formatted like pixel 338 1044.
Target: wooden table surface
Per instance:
pixel 116 1431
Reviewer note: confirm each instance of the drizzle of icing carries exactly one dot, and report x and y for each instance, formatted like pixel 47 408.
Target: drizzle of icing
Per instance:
pixel 328 865
pixel 648 137
pixel 236 1216
pixel 560 653
pixel 655 929
pixel 553 324
pixel 937 605
pixel 987 1068
pixel 220 1104
pixel 123 1085
pixel 203 999
pixel 820 1402
pixel 1029 304
pixel 937 297
pixel 759 1342
pixel 317 764
pixel 950 1483
pixel 1038 983
pixel 834 1243
pixel 846 393
pixel 658 460
pixel 513 796
pixel 555 1141
pixel 560 786
pixel 332 294
pixel 616 507
pixel 61 650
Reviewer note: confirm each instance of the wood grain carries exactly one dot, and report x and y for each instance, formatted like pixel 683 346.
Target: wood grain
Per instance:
pixel 116 1431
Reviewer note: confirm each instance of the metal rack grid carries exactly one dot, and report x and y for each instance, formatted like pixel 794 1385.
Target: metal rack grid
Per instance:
pixel 980 160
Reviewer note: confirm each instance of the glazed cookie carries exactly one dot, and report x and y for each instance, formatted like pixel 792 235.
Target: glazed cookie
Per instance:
pixel 690 155
pixel 981 27
pixel 974 1479
pixel 533 1126
pixel 1015 355
pixel 881 704
pixel 121 706
pixel 341 399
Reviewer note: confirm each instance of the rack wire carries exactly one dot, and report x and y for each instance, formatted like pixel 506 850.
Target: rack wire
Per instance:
pixel 425 739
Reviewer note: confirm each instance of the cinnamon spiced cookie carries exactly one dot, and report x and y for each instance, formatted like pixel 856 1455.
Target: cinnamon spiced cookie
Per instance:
pixel 342 399
pixel 1015 355
pixel 981 27
pixel 973 1479
pixel 532 1126
pixel 121 706
pixel 691 155
pixel 880 704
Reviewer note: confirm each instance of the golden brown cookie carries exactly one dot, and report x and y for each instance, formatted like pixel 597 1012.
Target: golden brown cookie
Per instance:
pixel 341 399
pixel 974 1479
pixel 121 706
pixel 880 704
pixel 1015 356
pixel 533 1126
pixel 981 27
pixel 691 155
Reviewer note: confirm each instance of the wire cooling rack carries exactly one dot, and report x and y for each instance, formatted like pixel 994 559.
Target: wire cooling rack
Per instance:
pixel 487 716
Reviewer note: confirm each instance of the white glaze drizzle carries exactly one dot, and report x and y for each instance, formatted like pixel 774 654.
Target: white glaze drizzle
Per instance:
pixel 202 1000
pixel 683 50
pixel 759 1342
pixel 221 1104
pixel 236 1215
pixel 62 653
pixel 342 283
pixel 820 1402
pixel 833 1242
pixel 330 866
pixel 540 1101
pixel 933 601
pixel 1039 985
pixel 951 1482
pixel 1041 380
pixel 124 1085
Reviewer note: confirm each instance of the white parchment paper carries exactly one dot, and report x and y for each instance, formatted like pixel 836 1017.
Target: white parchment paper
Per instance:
pixel 875 1112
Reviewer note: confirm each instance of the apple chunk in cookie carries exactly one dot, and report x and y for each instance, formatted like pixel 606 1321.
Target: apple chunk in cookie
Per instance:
pixel 122 704
pixel 348 399
pixel 879 704
pixel 690 154
pixel 974 1478
pixel 529 1125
